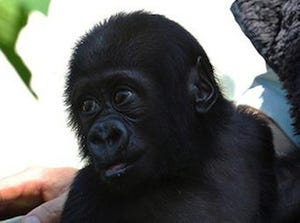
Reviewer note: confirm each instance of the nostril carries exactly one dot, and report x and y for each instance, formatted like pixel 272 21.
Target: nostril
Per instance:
pixel 110 135
pixel 115 135
pixel 96 138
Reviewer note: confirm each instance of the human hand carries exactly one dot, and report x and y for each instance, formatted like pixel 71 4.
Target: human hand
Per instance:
pixel 44 189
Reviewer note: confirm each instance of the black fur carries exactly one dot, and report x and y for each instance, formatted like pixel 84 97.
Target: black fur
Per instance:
pixel 288 174
pixel 195 157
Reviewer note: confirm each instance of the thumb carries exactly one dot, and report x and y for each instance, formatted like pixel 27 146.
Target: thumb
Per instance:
pixel 48 212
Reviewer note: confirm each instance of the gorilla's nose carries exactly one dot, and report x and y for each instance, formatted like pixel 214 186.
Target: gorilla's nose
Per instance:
pixel 109 135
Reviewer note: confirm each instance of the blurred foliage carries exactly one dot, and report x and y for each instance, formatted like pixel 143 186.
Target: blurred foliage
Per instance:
pixel 13 17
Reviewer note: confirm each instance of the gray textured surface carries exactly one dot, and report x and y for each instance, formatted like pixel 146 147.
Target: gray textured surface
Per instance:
pixel 273 26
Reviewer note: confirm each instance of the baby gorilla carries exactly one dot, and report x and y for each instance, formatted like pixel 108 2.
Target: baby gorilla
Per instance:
pixel 161 142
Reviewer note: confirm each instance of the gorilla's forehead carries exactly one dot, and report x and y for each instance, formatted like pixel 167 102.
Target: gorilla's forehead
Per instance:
pixel 127 77
pixel 108 79
pixel 101 51
pixel 150 43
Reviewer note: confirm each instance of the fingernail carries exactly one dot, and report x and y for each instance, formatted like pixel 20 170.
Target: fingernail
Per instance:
pixel 31 219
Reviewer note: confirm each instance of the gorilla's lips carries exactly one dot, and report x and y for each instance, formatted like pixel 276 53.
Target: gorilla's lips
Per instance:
pixel 121 166
pixel 116 169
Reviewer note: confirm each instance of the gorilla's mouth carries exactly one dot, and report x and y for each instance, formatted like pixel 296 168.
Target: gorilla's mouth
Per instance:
pixel 117 169
pixel 120 167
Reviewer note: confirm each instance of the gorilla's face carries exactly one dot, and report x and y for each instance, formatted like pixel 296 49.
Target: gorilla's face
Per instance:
pixel 135 96
pixel 121 119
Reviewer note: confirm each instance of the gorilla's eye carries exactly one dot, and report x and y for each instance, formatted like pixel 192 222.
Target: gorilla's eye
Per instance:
pixel 123 96
pixel 89 106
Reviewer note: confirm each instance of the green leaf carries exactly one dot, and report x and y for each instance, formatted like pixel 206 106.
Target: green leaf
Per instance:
pixel 37 5
pixel 13 17
pixel 17 62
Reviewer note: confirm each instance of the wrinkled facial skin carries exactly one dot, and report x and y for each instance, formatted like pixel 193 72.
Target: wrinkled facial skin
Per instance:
pixel 114 112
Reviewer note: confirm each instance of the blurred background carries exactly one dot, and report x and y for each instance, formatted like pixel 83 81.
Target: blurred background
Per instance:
pixel 35 132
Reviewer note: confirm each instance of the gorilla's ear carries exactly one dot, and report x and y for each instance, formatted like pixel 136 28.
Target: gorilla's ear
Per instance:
pixel 202 86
